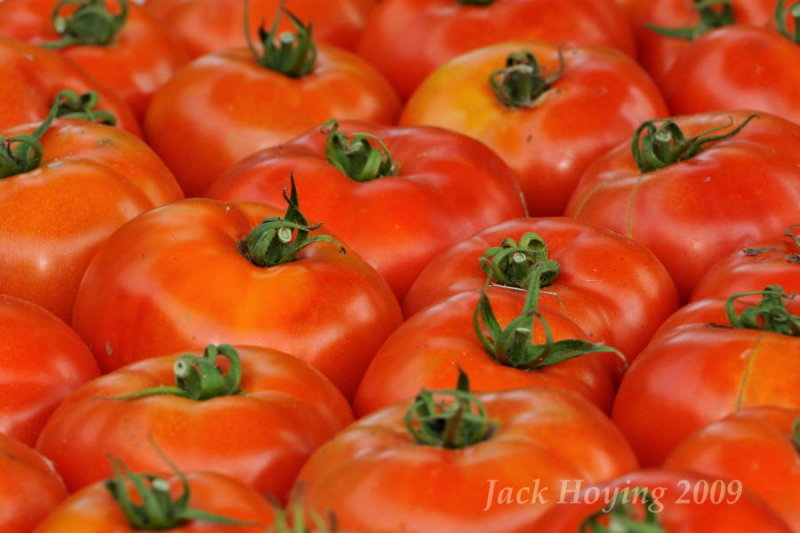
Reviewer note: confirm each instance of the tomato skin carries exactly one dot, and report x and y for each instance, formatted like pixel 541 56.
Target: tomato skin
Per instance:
pixel 679 511
pixel 694 373
pixel 327 308
pixel 543 434
pixel 42 361
pixel 762 435
pixel 693 212
pixel 32 76
pixel 408 39
pixel 93 510
pixel 225 106
pixel 93 178
pixel 29 486
pixel 207 26
pixel 447 187
pixel 598 102
pixel 616 290
pixel 260 437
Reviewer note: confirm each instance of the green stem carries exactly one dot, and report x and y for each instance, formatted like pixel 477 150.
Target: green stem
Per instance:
pixel 277 240
pixel 90 24
pixel 782 13
pixel 199 378
pixel 624 517
pixel 456 421
pixel 355 156
pixel 713 14
pixel 511 264
pixel 297 520
pixel 658 146
pixel 83 106
pixel 291 54
pixel 770 314
pixel 520 84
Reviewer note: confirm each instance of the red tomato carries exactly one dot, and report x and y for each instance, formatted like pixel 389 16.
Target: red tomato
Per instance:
pixel 41 361
pixel 704 364
pixel 548 110
pixel 91 179
pixel 439 187
pixel 408 39
pixel 757 447
pixel 723 183
pixel 94 509
pixel 129 52
pixel 32 76
pixel 258 428
pixel 770 262
pixel 613 288
pixel 29 486
pixel 206 26
pixel 495 472
pixel 668 501
pixel 327 308
pixel 227 105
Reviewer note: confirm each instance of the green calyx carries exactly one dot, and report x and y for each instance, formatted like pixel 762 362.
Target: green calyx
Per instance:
pixel 83 106
pixel 355 156
pixel 90 24
pixel 623 516
pixel 511 263
pixel 278 240
pixel 457 420
pixel 291 54
pixel 200 378
pixel 782 14
pixel 521 83
pixel 713 14
pixel 790 232
pixel 296 520
pixel 659 143
pixel 770 314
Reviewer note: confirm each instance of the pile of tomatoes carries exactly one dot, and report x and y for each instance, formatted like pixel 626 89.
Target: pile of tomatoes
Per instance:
pixel 400 266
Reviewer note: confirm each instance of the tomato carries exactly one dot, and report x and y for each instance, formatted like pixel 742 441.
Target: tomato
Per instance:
pixel 408 39
pixel 41 361
pixel 29 486
pixel 206 26
pixel 90 180
pixel 94 509
pixel 767 437
pixel 433 188
pixel 32 76
pixel 683 22
pixel 696 187
pixel 661 500
pixel 227 105
pixel 612 287
pixel 706 363
pixel 489 462
pixel 125 49
pixel 204 284
pixel 548 110
pixel 774 261
pixel 260 427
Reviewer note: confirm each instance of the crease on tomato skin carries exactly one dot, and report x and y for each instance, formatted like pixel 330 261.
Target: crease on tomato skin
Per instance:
pixel 747 374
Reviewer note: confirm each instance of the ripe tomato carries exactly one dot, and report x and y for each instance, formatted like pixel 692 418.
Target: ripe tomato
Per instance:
pixel 229 104
pixel 613 288
pixel 206 26
pixel 258 425
pixel 757 447
pixel 408 39
pixel 695 188
pixel 497 467
pixel 433 188
pixel 663 500
pixel 204 284
pixel 41 361
pixel 56 211
pixel 32 76
pixel 29 486
pixel 123 48
pixel 705 363
pixel 548 110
